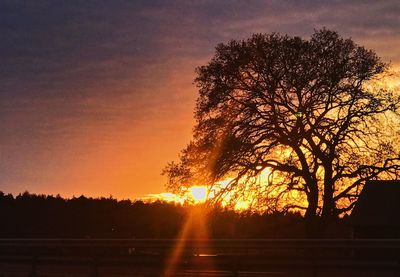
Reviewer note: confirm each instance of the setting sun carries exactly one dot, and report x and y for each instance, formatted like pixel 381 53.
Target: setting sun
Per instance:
pixel 198 193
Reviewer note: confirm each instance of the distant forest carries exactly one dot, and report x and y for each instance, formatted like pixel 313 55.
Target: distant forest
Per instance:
pixel 39 216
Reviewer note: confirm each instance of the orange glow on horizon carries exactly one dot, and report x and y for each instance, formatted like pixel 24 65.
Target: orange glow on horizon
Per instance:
pixel 239 197
pixel 164 196
pixel 198 194
pixel 194 194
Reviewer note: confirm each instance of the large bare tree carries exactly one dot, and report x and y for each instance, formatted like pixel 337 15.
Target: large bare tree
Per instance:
pixel 305 110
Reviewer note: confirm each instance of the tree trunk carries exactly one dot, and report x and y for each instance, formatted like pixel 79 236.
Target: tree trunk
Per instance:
pixel 328 205
pixel 311 213
pixel 312 207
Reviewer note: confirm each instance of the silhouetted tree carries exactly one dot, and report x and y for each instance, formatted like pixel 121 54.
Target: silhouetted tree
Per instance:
pixel 303 112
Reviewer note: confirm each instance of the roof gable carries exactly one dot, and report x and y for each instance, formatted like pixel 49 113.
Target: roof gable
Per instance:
pixel 378 204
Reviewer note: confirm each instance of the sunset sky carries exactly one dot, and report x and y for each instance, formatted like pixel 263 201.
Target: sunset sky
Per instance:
pixel 97 96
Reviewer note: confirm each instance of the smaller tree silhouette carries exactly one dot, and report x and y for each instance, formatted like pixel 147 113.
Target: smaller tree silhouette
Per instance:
pixel 304 111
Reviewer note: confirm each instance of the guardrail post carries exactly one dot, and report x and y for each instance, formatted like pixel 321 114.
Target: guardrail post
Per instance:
pixel 235 266
pixel 95 267
pixel 314 272
pixel 398 261
pixel 33 268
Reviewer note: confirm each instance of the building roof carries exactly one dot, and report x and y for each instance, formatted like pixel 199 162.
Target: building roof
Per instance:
pixel 378 204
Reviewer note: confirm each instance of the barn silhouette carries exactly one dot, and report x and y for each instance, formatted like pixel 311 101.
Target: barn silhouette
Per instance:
pixel 376 213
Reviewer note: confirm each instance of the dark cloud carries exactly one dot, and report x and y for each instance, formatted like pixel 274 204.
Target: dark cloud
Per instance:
pixel 79 75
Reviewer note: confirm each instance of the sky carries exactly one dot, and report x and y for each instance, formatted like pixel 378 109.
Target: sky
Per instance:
pixel 96 97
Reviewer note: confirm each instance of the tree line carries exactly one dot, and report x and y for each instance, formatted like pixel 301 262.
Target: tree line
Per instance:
pixel 42 216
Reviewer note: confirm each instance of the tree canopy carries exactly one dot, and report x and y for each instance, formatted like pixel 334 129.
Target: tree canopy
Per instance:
pixel 305 113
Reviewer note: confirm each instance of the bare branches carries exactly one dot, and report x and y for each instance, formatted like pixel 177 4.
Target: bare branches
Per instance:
pixel 304 110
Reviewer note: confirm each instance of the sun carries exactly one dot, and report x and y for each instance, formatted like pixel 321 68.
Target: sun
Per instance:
pixel 198 193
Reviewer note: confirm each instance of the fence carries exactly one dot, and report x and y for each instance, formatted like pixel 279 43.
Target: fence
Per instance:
pixel 229 256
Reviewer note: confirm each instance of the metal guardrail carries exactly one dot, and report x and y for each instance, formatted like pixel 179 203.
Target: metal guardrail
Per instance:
pixel 241 243
pixel 197 245
pixel 226 254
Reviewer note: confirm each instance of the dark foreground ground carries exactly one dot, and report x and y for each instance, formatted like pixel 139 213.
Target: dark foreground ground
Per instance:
pixel 82 271
pixel 199 257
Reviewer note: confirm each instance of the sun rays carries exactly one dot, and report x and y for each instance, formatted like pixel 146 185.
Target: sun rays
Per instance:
pixel 194 230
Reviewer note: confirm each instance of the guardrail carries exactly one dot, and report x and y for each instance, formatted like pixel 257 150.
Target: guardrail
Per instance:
pixel 225 255
pixel 205 243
